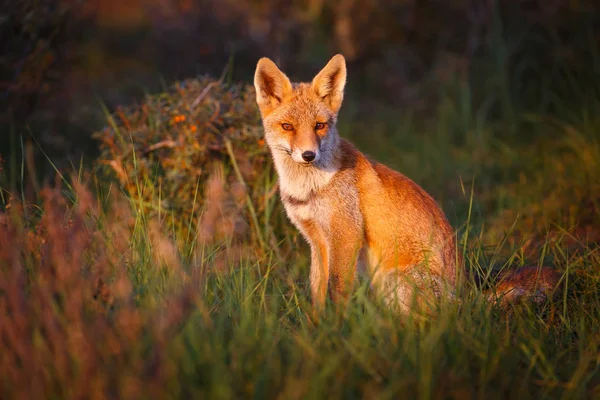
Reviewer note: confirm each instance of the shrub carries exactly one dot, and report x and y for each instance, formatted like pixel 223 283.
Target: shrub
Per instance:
pixel 194 156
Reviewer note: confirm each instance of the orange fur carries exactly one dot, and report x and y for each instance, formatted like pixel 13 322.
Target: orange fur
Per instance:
pixel 531 283
pixel 347 207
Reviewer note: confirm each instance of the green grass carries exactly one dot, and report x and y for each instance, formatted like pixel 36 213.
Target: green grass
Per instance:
pixel 247 330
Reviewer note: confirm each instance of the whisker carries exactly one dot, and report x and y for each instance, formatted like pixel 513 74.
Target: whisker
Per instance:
pixel 282 149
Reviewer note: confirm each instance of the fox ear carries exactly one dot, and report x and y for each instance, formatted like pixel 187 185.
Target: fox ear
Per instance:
pixel 329 83
pixel 272 85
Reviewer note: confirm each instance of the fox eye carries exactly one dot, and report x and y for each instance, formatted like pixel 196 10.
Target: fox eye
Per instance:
pixel 319 126
pixel 287 127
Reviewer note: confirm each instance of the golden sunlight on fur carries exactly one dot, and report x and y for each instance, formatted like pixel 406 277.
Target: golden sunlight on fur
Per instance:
pixel 355 213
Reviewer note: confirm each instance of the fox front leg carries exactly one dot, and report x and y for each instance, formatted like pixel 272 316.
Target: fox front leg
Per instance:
pixel 319 276
pixel 343 265
pixel 319 261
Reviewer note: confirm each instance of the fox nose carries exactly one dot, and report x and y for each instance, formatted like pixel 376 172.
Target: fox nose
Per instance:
pixel 308 156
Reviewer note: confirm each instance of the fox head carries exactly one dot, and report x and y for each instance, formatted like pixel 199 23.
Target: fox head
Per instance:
pixel 299 119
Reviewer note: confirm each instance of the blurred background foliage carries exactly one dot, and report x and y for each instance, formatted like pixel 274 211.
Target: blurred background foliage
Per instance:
pixel 60 58
pixel 461 78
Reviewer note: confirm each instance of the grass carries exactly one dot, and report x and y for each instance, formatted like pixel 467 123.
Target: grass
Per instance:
pixel 101 298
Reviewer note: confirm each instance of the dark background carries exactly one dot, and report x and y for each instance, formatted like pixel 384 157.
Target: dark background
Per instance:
pixel 63 61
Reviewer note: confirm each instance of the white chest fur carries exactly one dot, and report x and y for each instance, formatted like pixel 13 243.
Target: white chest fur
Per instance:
pixel 314 209
pixel 301 182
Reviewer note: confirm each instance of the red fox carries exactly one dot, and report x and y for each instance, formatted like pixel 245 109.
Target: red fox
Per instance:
pixel 357 214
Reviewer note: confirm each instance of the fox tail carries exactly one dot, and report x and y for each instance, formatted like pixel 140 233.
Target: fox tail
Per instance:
pixel 531 284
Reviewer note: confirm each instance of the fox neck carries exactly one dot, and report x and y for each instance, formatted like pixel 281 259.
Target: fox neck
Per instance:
pixel 301 182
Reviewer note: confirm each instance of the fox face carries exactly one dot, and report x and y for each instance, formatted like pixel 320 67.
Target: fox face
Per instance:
pixel 299 119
